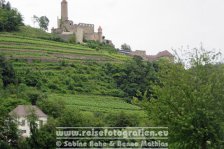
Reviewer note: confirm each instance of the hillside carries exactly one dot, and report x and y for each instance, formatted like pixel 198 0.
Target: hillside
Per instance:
pixel 72 73
pixel 18 45
pixel 92 85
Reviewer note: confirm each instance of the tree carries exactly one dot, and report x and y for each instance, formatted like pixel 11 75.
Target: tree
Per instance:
pixel 32 119
pixel 52 108
pixel 35 20
pixel 2 3
pixel 46 136
pixel 43 22
pixel 126 47
pixel 34 95
pixel 71 118
pixel 8 6
pixel 8 132
pixel 190 102
pixel 134 76
pixel 10 19
pixel 7 72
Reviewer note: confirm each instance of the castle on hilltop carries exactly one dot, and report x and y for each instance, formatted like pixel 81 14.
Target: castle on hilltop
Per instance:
pixel 82 31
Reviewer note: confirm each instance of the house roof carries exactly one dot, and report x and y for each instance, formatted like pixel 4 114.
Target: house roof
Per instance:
pixel 25 110
pixel 164 54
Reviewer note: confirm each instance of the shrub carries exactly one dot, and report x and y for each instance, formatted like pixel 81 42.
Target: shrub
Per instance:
pixel 72 39
pixel 34 95
pixel 52 108
pixel 122 120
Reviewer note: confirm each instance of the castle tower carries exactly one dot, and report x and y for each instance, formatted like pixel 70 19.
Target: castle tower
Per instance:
pixel 64 10
pixel 100 34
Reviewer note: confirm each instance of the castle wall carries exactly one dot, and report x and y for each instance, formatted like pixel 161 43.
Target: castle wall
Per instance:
pixel 68 26
pixel 87 28
pixel 79 35
pixel 57 30
pixel 59 23
pixel 89 36
pixel 66 36
pixel 139 53
pixel 96 37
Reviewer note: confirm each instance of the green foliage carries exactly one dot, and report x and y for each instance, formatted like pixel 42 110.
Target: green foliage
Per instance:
pixel 65 77
pixel 43 22
pixel 34 95
pixel 72 39
pixel 71 118
pixel 10 19
pixel 7 72
pixel 125 47
pixel 91 103
pixel 73 76
pixel 123 120
pixel 52 108
pixel 32 79
pixel 4 145
pixel 100 46
pixel 26 44
pixel 8 133
pixel 46 136
pixel 28 32
pixel 32 118
pixel 135 76
pixel 190 102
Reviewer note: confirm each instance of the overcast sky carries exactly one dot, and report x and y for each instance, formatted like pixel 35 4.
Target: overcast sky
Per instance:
pixel 151 25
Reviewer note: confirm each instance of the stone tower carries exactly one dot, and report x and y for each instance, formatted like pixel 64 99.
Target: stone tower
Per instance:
pixel 100 34
pixel 64 10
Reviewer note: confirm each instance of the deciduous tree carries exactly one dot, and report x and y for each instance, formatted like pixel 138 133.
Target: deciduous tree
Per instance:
pixel 190 102
pixel 125 47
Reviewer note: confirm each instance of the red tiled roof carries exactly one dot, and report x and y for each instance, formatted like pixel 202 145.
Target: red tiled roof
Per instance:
pixel 164 53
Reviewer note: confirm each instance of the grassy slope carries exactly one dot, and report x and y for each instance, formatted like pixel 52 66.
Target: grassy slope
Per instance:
pixel 29 49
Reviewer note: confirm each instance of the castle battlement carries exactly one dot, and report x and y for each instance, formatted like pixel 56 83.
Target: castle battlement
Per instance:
pixel 85 25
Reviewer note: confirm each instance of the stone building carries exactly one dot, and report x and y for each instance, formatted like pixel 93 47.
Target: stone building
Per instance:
pixel 21 114
pixel 139 53
pixel 161 55
pixel 82 31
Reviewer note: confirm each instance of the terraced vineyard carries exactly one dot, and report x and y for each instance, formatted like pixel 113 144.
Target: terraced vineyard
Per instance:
pixel 73 73
pixel 91 103
pixel 20 47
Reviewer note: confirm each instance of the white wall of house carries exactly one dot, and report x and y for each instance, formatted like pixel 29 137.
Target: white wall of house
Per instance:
pixel 24 127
